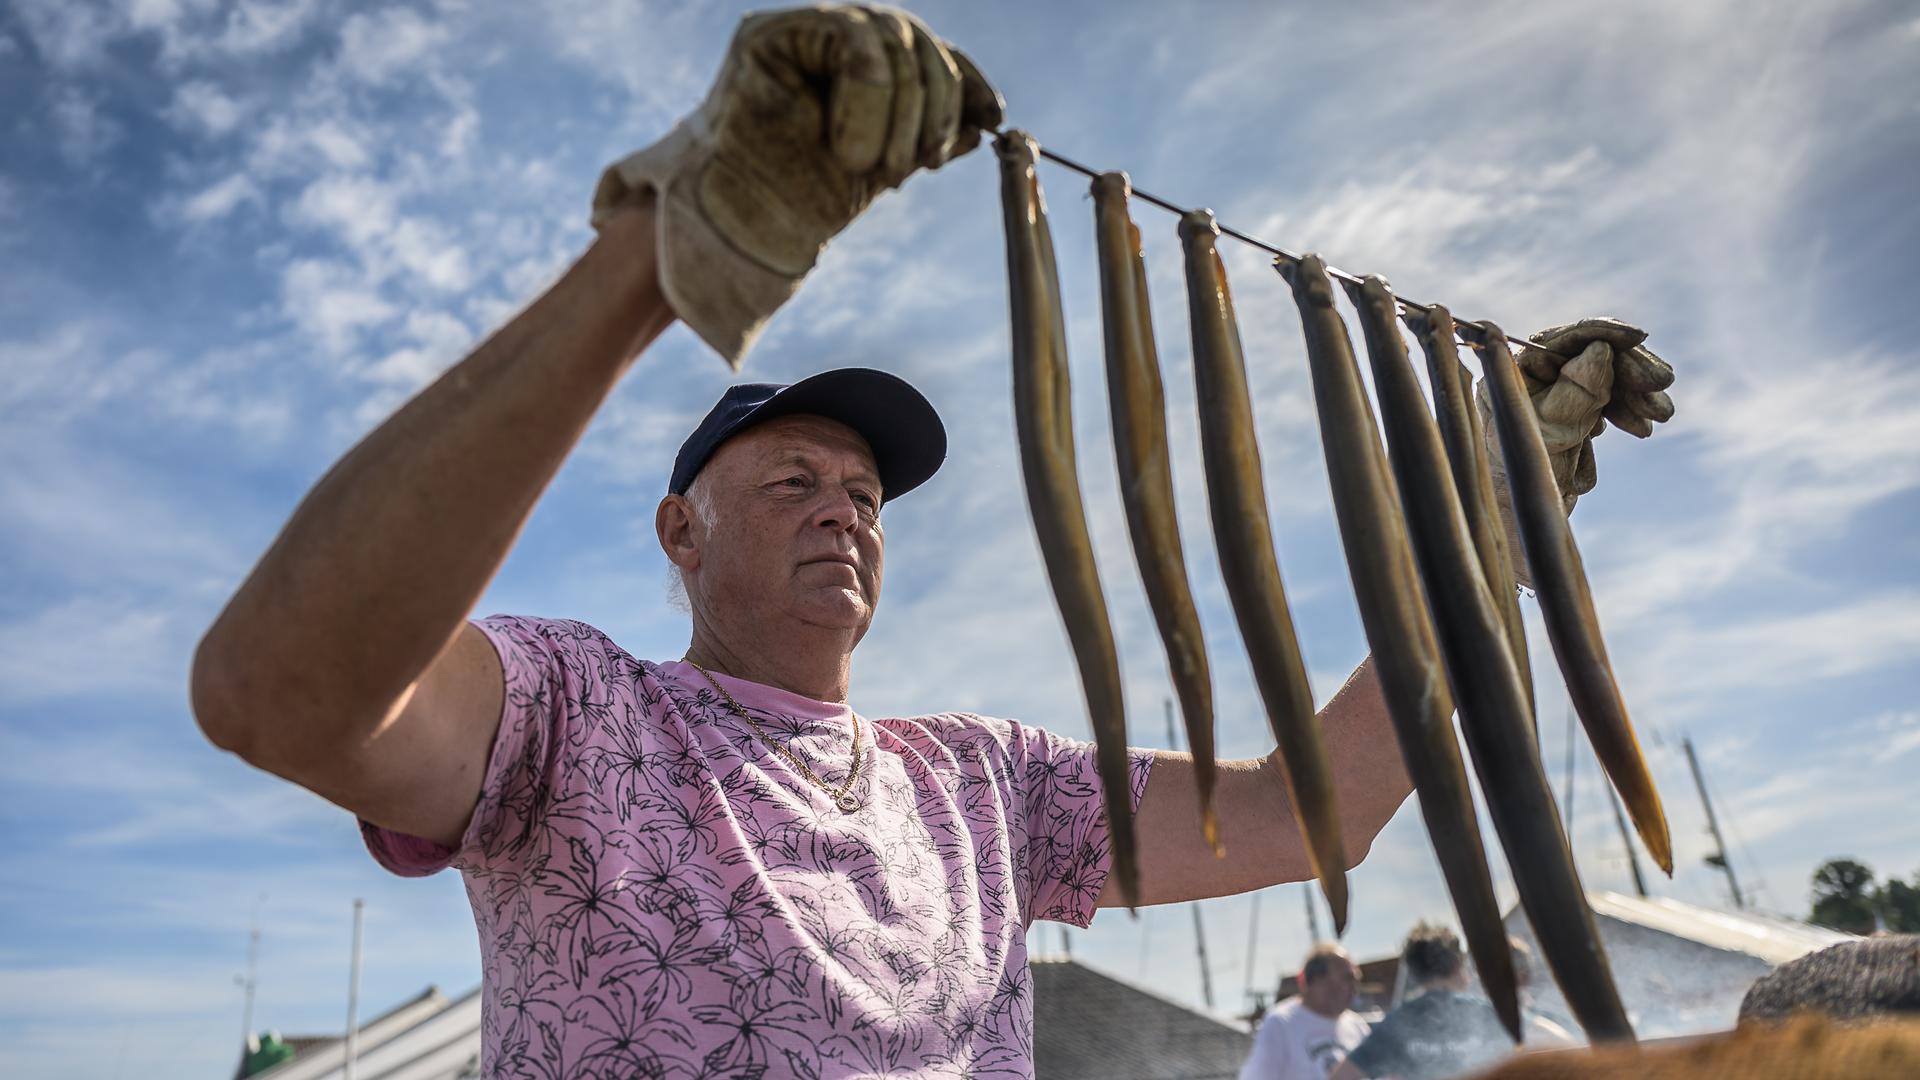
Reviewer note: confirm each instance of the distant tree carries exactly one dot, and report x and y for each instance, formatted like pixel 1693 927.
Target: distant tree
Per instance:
pixel 1899 905
pixel 1843 896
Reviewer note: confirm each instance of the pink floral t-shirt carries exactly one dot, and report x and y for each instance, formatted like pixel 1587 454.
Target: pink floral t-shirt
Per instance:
pixel 659 894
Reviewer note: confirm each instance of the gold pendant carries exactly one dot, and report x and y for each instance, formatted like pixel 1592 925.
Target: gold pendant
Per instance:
pixel 846 802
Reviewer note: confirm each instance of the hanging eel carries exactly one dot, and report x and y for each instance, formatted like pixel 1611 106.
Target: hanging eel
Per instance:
pixel 1146 475
pixel 1566 602
pixel 1042 410
pixel 1493 709
pixel 1244 538
pixel 1472 477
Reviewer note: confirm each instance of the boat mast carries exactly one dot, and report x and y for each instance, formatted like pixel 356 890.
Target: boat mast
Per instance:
pixel 1719 856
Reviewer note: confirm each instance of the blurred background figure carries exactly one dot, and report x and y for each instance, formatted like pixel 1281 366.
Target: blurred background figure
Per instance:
pixel 1539 1029
pixel 1306 1036
pixel 1442 1032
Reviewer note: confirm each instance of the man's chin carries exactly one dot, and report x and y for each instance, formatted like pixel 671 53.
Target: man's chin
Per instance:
pixel 836 609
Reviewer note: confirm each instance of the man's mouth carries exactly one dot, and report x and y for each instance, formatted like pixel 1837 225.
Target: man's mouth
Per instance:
pixel 842 560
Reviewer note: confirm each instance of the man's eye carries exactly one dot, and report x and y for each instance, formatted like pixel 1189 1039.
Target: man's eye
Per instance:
pixel 796 481
pixel 865 500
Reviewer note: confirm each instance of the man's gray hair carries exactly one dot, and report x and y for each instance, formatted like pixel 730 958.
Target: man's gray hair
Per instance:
pixel 1320 962
pixel 700 494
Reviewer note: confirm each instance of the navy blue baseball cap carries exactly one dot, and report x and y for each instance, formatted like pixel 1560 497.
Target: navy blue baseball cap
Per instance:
pixel 906 435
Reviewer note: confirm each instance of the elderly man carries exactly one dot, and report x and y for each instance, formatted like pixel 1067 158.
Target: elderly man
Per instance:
pixel 1306 1036
pixel 714 866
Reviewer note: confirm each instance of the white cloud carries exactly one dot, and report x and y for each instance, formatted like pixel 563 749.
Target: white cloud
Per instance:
pixel 65 372
pixel 1792 456
pixel 256 27
pixel 203 106
pixel 333 302
pixel 359 208
pixel 218 200
pixel 288 148
pixel 1696 663
pixel 461 132
pixel 1901 730
pixel 376 46
pixel 80 130
pixel 435 339
pixel 61 991
pixel 364 213
pixel 67 35
pixel 633 46
pixel 426 251
pixel 56 653
pixel 76 370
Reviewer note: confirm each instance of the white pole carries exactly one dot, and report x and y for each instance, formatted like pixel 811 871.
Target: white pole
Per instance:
pixel 353 994
pixel 252 980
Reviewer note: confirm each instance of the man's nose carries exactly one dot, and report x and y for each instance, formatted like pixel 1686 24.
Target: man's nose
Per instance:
pixel 836 509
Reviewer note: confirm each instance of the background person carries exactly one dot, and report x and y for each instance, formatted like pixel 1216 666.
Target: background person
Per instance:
pixel 1538 1030
pixel 1307 1035
pixel 1443 1032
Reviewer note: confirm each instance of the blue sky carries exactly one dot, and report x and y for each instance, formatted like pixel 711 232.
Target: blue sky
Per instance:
pixel 233 237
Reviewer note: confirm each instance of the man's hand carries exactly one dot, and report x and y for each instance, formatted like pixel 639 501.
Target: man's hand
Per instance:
pixel 814 113
pixel 1581 377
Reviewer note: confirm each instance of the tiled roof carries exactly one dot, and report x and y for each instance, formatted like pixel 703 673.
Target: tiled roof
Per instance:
pixel 1086 1024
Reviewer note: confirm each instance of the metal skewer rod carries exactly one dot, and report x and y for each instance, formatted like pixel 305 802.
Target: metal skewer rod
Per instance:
pixel 1332 271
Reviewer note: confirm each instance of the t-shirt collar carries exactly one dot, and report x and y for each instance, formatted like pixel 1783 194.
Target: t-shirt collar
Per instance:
pixel 753 695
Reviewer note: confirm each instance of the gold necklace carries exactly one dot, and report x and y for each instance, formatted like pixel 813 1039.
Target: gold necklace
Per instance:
pixel 842 797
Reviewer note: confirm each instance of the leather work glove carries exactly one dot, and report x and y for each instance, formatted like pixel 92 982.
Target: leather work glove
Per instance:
pixel 1581 377
pixel 815 112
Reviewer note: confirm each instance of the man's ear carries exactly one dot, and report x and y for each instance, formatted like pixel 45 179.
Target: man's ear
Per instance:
pixel 673 525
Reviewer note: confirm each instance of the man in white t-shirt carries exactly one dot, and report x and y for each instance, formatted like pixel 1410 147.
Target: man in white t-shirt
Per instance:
pixel 1305 1036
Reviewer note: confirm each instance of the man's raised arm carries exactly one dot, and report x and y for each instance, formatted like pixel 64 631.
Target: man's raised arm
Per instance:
pixel 344 662
pixel 1257 824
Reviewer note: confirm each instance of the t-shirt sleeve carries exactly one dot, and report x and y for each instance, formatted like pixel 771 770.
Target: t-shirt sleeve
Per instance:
pixel 1068 850
pixel 1265 1060
pixel 1380 1053
pixel 545 665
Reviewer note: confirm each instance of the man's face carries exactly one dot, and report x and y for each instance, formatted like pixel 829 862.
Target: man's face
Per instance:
pixel 1332 993
pixel 797 500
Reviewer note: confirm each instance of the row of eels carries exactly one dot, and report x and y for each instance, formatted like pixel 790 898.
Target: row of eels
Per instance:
pixel 1423 541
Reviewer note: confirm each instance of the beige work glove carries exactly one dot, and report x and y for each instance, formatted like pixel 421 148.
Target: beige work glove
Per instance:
pixel 815 112
pixel 1581 377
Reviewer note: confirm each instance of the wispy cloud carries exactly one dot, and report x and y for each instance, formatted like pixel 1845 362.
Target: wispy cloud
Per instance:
pixel 82 132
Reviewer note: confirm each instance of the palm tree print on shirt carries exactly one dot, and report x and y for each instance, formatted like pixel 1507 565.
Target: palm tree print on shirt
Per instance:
pixel 658 894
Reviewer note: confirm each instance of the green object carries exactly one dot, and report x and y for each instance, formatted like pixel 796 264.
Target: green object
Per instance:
pixel 264 1052
pixel 1843 894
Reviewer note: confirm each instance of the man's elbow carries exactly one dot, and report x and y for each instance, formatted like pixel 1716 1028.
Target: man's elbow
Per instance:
pixel 212 691
pixel 1358 845
pixel 1360 834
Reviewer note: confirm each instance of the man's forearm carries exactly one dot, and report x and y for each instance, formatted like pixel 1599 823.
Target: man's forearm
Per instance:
pixel 1370 778
pixel 383 561
pixel 1257 823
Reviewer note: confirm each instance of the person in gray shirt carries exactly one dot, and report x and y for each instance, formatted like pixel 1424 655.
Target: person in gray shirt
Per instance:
pixel 1443 1032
